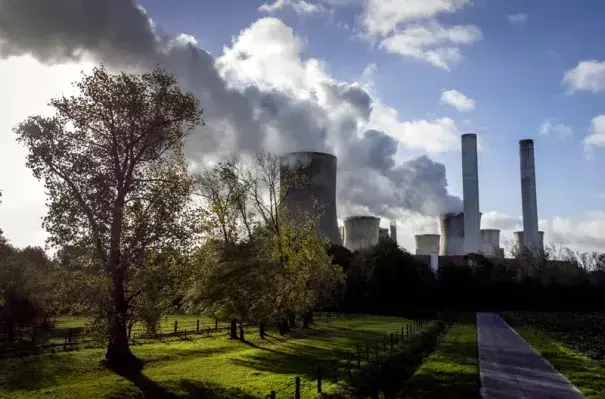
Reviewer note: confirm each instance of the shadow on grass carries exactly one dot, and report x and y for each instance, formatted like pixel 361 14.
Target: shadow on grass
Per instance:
pixel 36 372
pixel 447 376
pixel 303 359
pixel 452 370
pixel 145 388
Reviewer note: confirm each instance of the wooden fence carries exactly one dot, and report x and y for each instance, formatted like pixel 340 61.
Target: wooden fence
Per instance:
pixel 74 338
pixel 342 369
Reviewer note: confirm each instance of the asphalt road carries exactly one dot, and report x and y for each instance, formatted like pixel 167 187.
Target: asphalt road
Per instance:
pixel 511 368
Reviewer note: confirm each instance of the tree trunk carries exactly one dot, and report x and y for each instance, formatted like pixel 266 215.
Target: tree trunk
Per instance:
pixel 292 321
pixel 283 326
pixel 261 330
pixel 242 337
pixel 118 355
pixel 233 329
pixel 307 319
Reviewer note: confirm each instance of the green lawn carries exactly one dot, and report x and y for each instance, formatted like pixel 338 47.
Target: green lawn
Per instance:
pixel 451 371
pixel 198 367
pixel 585 373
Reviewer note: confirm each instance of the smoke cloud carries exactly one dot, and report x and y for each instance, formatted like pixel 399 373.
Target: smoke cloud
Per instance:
pixel 259 95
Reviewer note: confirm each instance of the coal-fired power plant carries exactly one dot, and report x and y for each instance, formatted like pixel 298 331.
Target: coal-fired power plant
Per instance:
pixel 427 244
pixel 361 232
pixel 528 196
pixel 470 187
pixel 460 232
pixel 309 179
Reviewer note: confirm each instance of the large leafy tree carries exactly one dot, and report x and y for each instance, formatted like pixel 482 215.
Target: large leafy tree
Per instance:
pixel 116 180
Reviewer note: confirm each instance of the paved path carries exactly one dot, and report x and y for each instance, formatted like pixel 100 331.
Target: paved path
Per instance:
pixel 511 368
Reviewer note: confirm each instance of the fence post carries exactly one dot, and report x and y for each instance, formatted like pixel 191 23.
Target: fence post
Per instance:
pixel 297 392
pixel 69 335
pixel 185 334
pixel 319 379
pixel 176 326
pixel 336 371
pixel 397 338
pixel 358 357
pixel 349 364
pixel 272 394
pixel 392 340
pixel 197 327
pixel 402 333
pixel 216 324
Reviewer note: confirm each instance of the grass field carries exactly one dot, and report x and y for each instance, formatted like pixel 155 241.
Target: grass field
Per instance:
pixel 452 370
pixel 203 367
pixel 585 373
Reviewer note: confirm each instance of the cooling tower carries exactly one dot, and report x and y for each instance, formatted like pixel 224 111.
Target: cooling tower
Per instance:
pixel 361 232
pixel 394 232
pixel 528 195
pixel 317 186
pixel 490 242
pixel 427 244
pixel 470 188
pixel 519 239
pixel 452 234
pixel 383 233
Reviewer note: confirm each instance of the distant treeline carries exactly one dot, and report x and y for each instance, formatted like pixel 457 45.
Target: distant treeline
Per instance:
pixel 387 279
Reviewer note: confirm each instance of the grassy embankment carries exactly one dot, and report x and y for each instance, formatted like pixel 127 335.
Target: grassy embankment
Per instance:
pixel 585 373
pixel 452 370
pixel 197 367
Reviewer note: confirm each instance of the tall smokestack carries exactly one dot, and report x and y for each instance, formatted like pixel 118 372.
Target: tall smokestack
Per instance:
pixel 394 231
pixel 531 238
pixel 470 188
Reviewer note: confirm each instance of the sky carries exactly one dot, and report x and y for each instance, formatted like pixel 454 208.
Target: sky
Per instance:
pixel 386 85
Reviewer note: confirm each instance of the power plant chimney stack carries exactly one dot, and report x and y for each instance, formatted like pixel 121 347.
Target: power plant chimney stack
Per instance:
pixel 531 238
pixel 394 231
pixel 470 188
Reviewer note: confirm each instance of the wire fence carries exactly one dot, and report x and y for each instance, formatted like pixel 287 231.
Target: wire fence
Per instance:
pixel 331 373
pixel 33 339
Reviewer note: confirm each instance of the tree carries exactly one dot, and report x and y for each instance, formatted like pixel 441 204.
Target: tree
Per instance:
pixel 258 262
pixel 116 179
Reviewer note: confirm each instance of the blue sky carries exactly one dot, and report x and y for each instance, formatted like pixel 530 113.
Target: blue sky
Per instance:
pixel 514 74
pixel 507 68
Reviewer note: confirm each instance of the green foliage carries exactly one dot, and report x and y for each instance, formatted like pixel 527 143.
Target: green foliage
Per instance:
pixel 452 370
pixel 395 281
pixel 259 261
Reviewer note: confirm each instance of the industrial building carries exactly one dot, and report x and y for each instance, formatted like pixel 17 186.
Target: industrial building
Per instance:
pixel 520 240
pixel 361 232
pixel 427 244
pixel 490 242
pixel 318 187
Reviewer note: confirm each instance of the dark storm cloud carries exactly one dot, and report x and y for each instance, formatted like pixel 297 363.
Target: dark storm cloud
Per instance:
pixel 245 120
